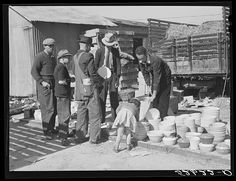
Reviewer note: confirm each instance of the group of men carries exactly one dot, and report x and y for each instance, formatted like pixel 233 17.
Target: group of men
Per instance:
pixel 91 89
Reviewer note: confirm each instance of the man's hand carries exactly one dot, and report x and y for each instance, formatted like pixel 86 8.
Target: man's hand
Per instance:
pixel 63 82
pixel 149 90
pixel 153 96
pixel 45 84
pixel 72 77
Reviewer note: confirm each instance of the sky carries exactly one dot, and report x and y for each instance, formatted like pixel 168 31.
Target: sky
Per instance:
pixel 182 14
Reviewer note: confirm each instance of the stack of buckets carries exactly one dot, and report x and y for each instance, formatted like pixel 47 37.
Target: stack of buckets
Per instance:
pixel 153 117
pixel 218 130
pixel 209 115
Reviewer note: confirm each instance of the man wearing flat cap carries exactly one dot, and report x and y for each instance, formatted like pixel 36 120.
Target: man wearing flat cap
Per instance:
pixel 86 93
pixel 63 93
pixel 42 71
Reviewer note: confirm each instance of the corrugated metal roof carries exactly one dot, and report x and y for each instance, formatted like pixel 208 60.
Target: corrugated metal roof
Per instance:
pixel 61 14
pixel 127 22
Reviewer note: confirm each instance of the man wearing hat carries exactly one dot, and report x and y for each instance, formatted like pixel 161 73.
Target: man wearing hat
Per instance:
pixel 86 93
pixel 63 93
pixel 42 71
pixel 110 55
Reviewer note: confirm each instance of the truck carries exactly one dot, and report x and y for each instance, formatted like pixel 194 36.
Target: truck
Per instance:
pixel 200 64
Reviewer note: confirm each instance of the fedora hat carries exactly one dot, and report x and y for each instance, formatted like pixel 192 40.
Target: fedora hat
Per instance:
pixel 109 39
pixel 63 53
pixel 86 40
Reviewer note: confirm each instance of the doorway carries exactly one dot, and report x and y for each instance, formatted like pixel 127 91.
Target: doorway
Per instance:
pixel 136 43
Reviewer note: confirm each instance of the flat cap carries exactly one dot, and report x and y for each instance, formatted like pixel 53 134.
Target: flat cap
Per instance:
pixel 63 53
pixel 48 41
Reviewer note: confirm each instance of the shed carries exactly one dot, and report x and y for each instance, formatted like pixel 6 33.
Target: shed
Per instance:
pixel 140 29
pixel 30 25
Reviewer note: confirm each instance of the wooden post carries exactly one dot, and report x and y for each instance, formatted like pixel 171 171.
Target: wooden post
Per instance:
pixel 189 45
pixel 149 34
pixel 219 45
pixel 174 55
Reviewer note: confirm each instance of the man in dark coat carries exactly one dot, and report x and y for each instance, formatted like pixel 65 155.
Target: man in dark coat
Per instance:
pixel 86 93
pixel 157 75
pixel 42 71
pixel 111 54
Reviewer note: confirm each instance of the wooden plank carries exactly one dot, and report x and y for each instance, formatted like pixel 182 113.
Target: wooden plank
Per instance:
pixel 206 45
pixel 170 55
pixel 124 45
pixel 174 52
pixel 157 37
pixel 128 37
pixel 125 39
pixel 167 42
pixel 190 53
pixel 181 47
pixel 212 39
pixel 158 30
pixel 157 33
pixel 162 27
pixel 204 48
pixel 181 39
pixel 203 36
pixel 220 49
pixel 197 44
pixel 205 52
pixel 181 58
pixel 124 32
pixel 151 20
pixel 182 55
pixel 158 24
pixel 201 57
pixel 167 45
pixel 181 44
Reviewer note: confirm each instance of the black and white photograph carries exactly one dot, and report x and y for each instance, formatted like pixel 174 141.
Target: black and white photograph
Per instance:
pixel 120 88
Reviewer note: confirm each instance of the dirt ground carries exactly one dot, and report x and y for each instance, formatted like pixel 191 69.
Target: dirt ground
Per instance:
pixel 101 157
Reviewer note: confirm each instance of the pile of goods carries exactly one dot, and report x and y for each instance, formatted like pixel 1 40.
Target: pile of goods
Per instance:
pixel 189 101
pixel 18 105
pixel 180 31
pixel 197 131
pixel 129 76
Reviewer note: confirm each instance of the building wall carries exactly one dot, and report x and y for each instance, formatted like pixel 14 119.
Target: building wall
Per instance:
pixel 25 41
pixel 65 35
pixel 20 55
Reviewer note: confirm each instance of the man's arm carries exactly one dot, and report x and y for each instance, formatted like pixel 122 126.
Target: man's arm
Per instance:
pixel 157 73
pixel 97 58
pixel 36 68
pixel 62 79
pixel 92 70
